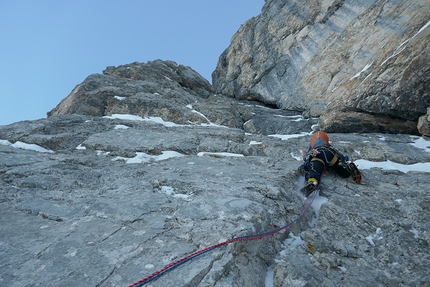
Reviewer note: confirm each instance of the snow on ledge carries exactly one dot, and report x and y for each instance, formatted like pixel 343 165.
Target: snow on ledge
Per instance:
pixel 220 154
pixel 142 157
pixel 159 120
pixel 287 137
pixel 22 145
pixel 389 165
pixel 139 118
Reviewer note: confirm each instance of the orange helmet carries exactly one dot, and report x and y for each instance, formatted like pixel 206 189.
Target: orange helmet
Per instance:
pixel 319 139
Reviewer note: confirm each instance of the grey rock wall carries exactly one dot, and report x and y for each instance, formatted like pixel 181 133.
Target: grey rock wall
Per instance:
pixel 360 65
pixel 109 199
pixel 108 206
pixel 424 124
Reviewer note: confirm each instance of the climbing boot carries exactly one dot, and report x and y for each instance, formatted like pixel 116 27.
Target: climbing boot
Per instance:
pixel 310 187
pixel 354 171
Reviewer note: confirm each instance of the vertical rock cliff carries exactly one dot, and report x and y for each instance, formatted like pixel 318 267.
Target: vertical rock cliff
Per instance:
pixel 361 65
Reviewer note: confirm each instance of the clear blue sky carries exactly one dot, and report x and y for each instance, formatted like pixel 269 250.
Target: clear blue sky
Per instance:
pixel 50 46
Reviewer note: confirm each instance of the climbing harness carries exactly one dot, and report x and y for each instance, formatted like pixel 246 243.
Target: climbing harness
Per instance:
pixel 344 161
pixel 181 261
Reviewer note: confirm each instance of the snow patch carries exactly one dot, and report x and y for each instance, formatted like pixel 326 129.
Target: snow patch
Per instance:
pixel 287 137
pixel 362 71
pixel 268 282
pixel 376 236
pixel 121 127
pixel 297 157
pixel 142 157
pixel 26 146
pixel 420 142
pixel 292 241
pixel 255 143
pixel 209 123
pixel 389 165
pixel 5 142
pixel 405 44
pixel 139 118
pixel 343 269
pixel 170 191
pixel 81 147
pixel 149 266
pixel 316 205
pixel 220 154
pixel 296 118
pixel 415 232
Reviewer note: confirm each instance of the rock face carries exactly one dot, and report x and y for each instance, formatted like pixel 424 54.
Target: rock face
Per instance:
pixel 424 124
pixel 133 87
pixel 93 197
pixel 360 65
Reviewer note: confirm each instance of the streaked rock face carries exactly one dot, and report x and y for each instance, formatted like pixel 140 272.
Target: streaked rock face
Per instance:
pixel 342 60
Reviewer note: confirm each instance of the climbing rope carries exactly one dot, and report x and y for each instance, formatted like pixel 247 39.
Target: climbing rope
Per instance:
pixel 181 261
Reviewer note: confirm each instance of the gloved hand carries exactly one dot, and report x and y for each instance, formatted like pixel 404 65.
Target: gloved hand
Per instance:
pixel 304 167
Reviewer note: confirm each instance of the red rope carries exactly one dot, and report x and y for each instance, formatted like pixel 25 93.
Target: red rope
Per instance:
pixel 182 260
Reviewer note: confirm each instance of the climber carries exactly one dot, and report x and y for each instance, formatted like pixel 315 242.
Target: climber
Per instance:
pixel 322 156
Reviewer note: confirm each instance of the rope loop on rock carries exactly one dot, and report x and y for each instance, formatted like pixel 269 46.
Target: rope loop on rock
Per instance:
pixel 182 260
